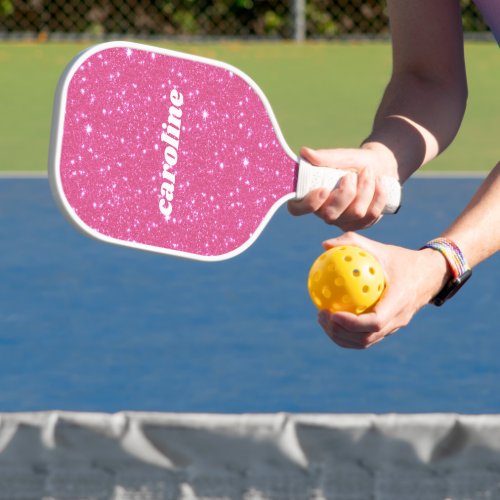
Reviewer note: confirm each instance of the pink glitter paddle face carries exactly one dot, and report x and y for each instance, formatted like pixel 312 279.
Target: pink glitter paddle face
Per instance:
pixel 166 152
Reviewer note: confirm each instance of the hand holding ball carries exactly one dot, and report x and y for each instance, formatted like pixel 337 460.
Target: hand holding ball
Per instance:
pixel 346 278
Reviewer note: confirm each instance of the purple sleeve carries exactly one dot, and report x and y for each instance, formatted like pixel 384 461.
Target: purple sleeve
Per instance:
pixel 490 9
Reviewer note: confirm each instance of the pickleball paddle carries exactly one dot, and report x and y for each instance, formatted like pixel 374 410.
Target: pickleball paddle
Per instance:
pixel 172 153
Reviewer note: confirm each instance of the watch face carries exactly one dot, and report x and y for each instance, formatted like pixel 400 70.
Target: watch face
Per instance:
pixel 451 288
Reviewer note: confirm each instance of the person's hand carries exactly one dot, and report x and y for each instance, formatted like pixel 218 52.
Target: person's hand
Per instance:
pixel 358 200
pixel 413 278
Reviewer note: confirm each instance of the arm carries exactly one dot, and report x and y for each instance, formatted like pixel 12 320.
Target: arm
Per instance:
pixel 477 230
pixel 424 103
pixel 418 117
pixel 415 277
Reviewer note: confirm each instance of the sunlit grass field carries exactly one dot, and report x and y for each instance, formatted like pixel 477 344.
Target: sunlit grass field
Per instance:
pixel 323 94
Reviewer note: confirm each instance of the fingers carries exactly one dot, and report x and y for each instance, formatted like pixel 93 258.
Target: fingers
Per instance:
pixel 352 238
pixel 368 204
pixel 379 201
pixel 365 189
pixel 411 279
pixel 365 330
pixel 356 202
pixel 340 198
pixel 314 200
pixel 355 332
pixel 310 203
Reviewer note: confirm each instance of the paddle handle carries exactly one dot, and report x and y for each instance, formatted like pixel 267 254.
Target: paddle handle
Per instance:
pixel 312 177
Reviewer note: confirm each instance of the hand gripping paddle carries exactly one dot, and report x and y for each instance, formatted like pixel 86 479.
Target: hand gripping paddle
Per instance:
pixel 172 153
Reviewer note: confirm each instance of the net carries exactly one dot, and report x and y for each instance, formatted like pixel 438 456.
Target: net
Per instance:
pixel 159 456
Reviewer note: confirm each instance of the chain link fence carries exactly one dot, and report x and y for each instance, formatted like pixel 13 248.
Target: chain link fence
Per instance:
pixel 284 19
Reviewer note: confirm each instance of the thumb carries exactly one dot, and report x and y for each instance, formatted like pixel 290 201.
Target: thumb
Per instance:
pixel 349 238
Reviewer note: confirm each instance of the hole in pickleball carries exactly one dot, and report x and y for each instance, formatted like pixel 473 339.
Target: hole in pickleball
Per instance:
pixel 339 281
pixel 348 258
pixel 363 254
pixel 327 293
pixel 346 299
pixel 317 276
pixel 356 273
pixel 317 300
pixel 366 289
pixel 372 270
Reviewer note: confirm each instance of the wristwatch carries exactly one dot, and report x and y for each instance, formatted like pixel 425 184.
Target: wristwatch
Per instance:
pixel 459 267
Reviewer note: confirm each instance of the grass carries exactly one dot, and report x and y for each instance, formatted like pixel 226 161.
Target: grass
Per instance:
pixel 323 94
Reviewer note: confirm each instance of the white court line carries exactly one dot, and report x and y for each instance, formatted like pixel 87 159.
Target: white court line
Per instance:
pixel 453 174
pixel 23 175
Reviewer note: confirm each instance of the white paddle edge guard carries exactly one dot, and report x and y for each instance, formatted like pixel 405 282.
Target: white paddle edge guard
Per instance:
pixel 313 177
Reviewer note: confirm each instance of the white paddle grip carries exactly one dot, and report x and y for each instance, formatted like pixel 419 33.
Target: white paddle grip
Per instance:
pixel 312 177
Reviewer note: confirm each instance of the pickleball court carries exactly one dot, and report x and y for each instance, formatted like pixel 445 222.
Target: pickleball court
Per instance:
pixel 92 327
pixel 131 375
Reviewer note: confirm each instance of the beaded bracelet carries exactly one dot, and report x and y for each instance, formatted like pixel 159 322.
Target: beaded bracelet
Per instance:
pixel 452 254
pixel 459 267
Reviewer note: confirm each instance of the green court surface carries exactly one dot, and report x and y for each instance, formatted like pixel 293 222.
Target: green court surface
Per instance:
pixel 323 94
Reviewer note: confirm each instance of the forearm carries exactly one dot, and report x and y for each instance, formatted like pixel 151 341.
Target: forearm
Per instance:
pixel 416 121
pixel 477 230
pixel 424 102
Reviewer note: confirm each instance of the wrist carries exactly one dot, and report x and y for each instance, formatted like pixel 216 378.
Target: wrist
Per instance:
pixel 388 165
pixel 437 273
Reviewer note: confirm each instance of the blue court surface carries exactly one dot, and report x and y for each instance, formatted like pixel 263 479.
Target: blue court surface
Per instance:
pixel 86 326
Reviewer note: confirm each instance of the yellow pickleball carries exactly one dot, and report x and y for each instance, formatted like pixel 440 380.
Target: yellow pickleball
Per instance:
pixel 346 278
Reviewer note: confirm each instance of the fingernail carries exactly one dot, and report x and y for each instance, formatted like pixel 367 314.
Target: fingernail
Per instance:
pixel 328 243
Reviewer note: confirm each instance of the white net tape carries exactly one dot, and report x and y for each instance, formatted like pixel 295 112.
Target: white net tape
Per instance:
pixel 155 456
